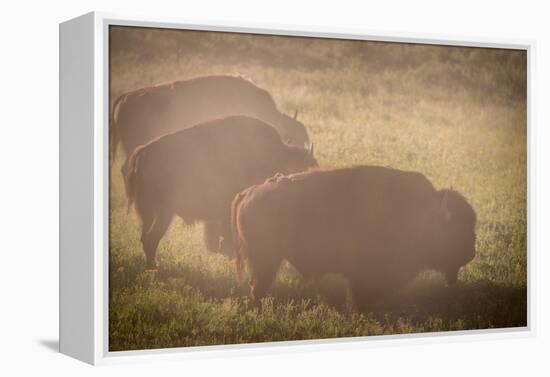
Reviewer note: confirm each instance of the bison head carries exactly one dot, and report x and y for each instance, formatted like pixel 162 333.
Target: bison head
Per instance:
pixel 298 159
pixel 293 131
pixel 455 238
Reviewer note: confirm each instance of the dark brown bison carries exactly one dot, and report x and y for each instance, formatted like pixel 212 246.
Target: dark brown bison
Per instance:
pixel 376 226
pixel 140 116
pixel 196 172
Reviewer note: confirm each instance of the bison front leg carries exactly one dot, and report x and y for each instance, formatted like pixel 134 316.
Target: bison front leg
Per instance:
pixel 150 238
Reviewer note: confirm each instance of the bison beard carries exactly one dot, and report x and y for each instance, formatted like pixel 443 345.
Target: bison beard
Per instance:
pixel 376 226
pixel 196 172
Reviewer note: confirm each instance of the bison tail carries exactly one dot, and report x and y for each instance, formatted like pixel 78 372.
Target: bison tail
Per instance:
pixel 240 242
pixel 132 176
pixel 113 130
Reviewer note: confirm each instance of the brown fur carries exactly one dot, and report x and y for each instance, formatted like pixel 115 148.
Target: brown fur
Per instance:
pixel 142 115
pixel 376 226
pixel 196 172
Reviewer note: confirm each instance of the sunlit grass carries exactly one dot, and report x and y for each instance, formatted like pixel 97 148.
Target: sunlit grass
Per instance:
pixel 454 115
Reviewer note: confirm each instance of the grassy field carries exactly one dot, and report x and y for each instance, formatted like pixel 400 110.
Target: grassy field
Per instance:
pixel 458 115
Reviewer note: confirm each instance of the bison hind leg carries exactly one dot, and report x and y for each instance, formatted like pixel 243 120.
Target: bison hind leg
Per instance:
pixel 262 275
pixel 150 238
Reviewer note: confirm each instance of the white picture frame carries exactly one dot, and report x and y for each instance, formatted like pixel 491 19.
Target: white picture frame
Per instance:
pixel 84 174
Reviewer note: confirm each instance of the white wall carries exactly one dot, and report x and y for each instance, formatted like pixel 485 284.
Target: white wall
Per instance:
pixel 29 184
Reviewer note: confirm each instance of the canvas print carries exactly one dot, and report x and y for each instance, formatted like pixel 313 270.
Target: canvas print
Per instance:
pixel 270 188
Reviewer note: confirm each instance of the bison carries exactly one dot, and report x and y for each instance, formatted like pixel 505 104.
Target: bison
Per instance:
pixel 142 115
pixel 195 173
pixel 376 226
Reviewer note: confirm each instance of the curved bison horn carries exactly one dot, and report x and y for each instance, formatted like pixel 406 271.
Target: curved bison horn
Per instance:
pixel 310 150
pixel 296 114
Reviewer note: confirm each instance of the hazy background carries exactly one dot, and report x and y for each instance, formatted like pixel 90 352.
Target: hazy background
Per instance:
pixel 458 115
